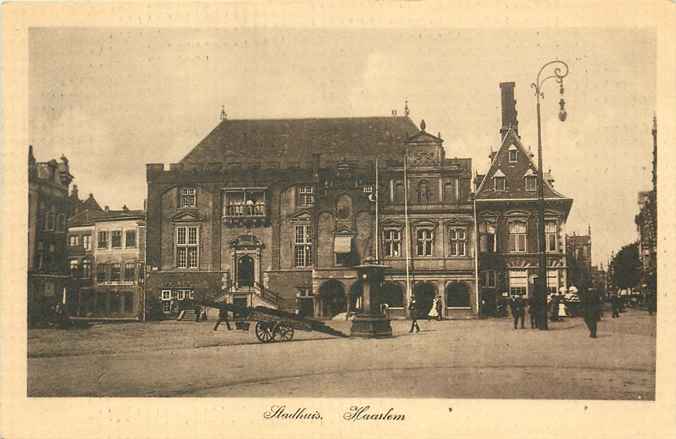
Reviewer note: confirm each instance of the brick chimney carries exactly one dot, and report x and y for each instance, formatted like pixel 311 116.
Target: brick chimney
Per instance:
pixel 509 112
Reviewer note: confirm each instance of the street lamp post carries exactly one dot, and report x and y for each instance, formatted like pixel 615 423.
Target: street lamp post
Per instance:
pixel 560 71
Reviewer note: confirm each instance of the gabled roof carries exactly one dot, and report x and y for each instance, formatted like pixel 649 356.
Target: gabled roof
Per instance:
pixel 295 140
pixel 514 173
pixel 89 217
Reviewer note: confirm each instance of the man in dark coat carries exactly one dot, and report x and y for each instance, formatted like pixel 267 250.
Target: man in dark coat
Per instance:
pixel 592 311
pixel 532 312
pixel 555 308
pixel 615 303
pixel 222 317
pixel 413 308
pixel 518 310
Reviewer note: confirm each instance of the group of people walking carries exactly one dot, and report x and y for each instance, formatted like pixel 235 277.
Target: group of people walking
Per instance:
pixel 435 312
pixel 538 309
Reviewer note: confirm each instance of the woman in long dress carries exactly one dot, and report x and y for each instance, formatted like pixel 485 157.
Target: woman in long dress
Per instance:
pixel 433 314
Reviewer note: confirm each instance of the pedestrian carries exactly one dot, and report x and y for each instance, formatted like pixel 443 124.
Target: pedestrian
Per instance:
pixel 592 310
pixel 439 308
pixel 652 302
pixel 518 311
pixel 562 307
pixel 222 317
pixel 615 305
pixel 555 301
pixel 386 310
pixel 434 313
pixel 532 312
pixel 413 309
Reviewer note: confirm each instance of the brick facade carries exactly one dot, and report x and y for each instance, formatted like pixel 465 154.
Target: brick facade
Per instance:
pixel 281 212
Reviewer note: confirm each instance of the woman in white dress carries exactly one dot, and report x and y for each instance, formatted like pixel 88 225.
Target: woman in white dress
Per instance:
pixel 433 314
pixel 562 305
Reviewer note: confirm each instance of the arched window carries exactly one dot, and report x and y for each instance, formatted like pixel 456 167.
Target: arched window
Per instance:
pixel 457 295
pixel 392 294
pixel 424 194
pixel 487 241
pixel 398 196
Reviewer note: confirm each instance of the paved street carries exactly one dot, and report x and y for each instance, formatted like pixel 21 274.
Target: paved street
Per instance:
pixel 450 359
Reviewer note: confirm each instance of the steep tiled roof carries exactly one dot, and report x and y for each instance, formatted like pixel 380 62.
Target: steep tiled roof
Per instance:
pixel 89 217
pixel 295 140
pixel 514 173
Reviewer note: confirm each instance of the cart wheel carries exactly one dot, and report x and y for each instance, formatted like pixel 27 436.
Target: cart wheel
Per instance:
pixel 264 332
pixel 282 333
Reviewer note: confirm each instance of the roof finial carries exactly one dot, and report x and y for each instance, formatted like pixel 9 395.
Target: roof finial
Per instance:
pixel 223 113
pixel 406 110
pixel 589 229
pixel 422 125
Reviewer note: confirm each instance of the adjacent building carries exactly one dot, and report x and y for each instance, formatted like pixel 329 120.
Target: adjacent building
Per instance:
pixel 506 203
pixel 106 250
pixel 280 212
pixel 48 208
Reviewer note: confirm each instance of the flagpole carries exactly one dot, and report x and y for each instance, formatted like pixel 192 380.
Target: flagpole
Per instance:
pixel 377 217
pixel 407 228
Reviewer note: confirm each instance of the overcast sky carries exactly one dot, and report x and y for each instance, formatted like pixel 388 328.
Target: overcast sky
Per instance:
pixel 114 100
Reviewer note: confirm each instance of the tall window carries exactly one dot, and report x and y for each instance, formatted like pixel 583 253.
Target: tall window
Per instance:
pixel 116 238
pixel 102 241
pixel 487 238
pixel 424 242
pixel 188 198
pixel 101 272
pixel 74 267
pixel 517 236
pixel 115 272
pixel 187 246
pixel 424 194
pixel 457 241
pixel 73 240
pixel 306 197
pixel 392 242
pixel 130 238
pixel 488 279
pixel 513 154
pixel 40 255
pixel 551 235
pixel 86 269
pixel 60 222
pixel 50 218
pixel 303 248
pixel 87 242
pixel 499 183
pixel 129 269
pixel 531 183
pixel 450 191
pixel 398 196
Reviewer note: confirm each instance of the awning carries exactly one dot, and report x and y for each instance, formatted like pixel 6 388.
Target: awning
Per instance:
pixel 343 244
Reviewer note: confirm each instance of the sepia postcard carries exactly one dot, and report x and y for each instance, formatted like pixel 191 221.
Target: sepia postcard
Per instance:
pixel 257 219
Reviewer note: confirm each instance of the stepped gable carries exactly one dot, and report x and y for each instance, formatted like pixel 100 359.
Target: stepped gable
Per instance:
pixel 294 141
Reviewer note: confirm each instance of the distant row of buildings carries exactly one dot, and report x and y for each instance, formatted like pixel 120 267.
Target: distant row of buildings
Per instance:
pixel 280 212
pixel 646 225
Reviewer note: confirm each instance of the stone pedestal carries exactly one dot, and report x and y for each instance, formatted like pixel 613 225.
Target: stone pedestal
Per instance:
pixel 371 322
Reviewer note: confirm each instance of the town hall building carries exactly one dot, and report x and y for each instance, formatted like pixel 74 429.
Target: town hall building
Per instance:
pixel 280 213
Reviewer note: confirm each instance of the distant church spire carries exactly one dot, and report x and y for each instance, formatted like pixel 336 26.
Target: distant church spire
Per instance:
pixel 406 110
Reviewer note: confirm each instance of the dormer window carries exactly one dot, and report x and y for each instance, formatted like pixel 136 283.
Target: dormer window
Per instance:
pixel 530 180
pixel 499 181
pixel 188 197
pixel 513 155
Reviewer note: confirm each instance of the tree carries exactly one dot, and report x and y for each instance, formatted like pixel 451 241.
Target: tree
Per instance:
pixel 627 267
